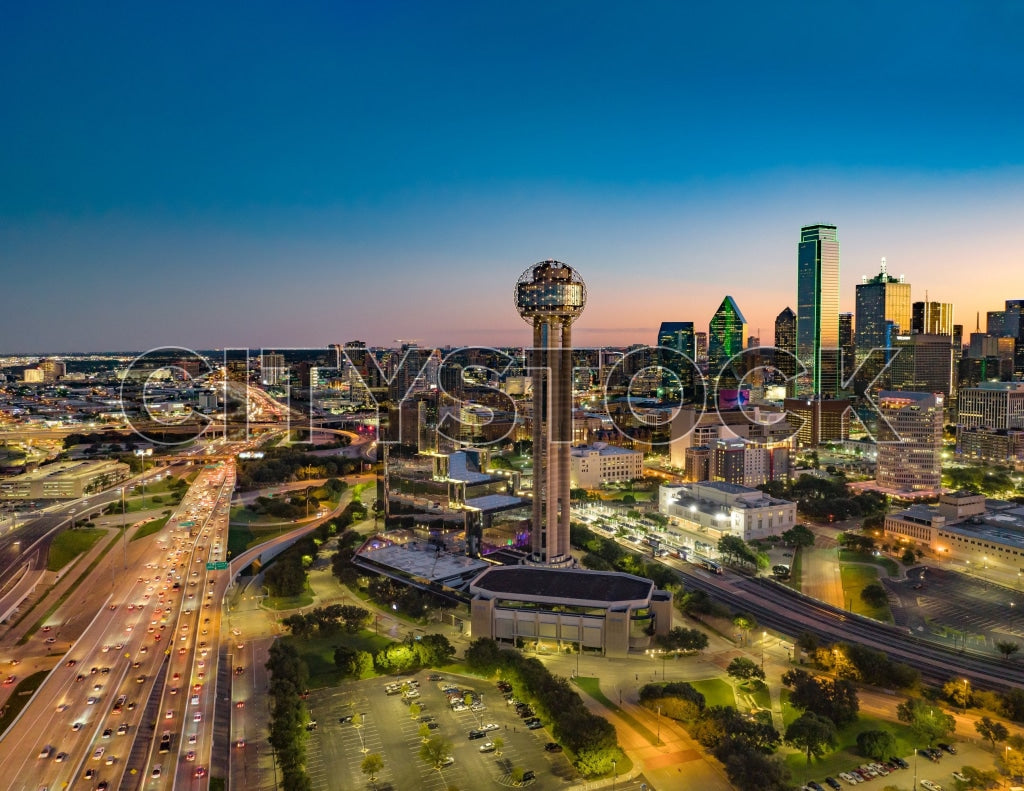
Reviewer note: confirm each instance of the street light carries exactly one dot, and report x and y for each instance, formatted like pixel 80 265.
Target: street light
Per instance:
pixel 615 772
pixel 764 639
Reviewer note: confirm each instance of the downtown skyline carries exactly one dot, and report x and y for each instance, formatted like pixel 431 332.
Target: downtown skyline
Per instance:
pixel 336 173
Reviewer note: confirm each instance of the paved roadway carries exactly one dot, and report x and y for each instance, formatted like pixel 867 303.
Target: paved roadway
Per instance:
pixel 127 647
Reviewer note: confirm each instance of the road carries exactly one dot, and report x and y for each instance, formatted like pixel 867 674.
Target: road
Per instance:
pixel 127 644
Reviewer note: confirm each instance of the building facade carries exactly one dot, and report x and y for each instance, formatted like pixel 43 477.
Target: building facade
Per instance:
pixel 911 459
pixel 716 508
pixel 817 314
pixel 591 466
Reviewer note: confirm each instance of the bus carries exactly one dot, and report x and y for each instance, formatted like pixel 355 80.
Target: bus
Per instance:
pixel 706 563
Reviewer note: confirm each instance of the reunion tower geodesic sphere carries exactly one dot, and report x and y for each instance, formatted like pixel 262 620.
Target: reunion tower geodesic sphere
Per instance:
pixel 550 289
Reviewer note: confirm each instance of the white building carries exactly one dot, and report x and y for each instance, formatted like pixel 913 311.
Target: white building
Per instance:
pixel 600 463
pixel 717 508
pixel 998 405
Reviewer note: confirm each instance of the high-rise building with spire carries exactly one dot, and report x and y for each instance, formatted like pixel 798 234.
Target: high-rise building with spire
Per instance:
pixel 883 312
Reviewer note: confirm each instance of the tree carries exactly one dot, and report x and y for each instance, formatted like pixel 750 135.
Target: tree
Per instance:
pixel 680 638
pixel 499 745
pixel 908 557
pixel 976 778
pixel 484 656
pixel 929 722
pixel 749 770
pixel 435 751
pixel 811 733
pixel 1007 648
pixel 876 744
pixel 874 595
pixel 424 732
pixel 743 669
pixel 836 700
pixel 414 710
pixel 745 622
pixel 799 536
pixel 991 731
pixel 371 766
pixel 958 692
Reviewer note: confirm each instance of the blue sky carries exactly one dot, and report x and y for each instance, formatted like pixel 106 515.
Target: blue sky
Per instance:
pixel 262 174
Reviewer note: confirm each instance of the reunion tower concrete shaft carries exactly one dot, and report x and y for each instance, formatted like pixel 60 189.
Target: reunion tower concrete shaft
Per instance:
pixel 551 296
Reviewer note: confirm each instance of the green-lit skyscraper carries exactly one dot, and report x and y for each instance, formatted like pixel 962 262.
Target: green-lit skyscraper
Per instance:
pixel 817 310
pixel 727 337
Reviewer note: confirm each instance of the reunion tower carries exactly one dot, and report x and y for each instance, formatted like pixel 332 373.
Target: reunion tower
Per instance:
pixel 550 296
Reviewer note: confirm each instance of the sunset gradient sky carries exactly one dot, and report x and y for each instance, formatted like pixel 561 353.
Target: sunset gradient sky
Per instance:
pixel 261 174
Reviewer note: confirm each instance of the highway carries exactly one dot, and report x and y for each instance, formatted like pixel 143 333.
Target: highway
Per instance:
pixel 121 659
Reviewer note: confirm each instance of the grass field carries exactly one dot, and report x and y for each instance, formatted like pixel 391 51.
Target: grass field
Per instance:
pixel 69 544
pixel 855 579
pixel 304 599
pixel 846 755
pixel 150 528
pixel 318 653
pixel 716 692
pixel 890 565
pixel 21 695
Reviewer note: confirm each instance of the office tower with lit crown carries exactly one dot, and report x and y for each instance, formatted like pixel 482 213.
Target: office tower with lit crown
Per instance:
pixel 817 310
pixel 678 373
pixel 910 460
pixel 931 318
pixel 550 296
pixel 727 337
pixel 883 312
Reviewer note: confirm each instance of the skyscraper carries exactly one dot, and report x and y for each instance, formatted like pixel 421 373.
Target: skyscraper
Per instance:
pixel 785 341
pixel 727 336
pixel 817 310
pixel 883 312
pixel 550 296
pixel 912 459
pixel 678 336
pixel 847 346
pixel 932 318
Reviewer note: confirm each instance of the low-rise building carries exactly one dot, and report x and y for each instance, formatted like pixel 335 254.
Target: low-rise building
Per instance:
pixel 610 612
pixel 590 466
pixel 64 480
pixel 717 508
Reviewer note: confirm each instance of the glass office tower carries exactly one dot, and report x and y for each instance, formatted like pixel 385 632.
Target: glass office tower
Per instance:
pixel 817 314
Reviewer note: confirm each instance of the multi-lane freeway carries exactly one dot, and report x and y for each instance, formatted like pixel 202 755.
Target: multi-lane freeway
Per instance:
pixel 149 654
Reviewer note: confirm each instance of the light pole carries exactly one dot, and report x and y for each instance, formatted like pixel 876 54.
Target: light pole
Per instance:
pixel 764 639
pixel 659 724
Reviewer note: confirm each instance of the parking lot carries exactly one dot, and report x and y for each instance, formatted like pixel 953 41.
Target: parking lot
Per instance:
pixel 336 747
pixel 954 608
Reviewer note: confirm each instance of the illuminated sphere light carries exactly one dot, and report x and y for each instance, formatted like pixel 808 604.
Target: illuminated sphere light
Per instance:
pixel 550 289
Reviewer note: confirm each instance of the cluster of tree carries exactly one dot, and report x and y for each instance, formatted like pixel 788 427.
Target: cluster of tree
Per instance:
pixel 590 738
pixel 352 662
pixel 823 498
pixel 286 575
pixel 285 464
pixel 429 650
pixel 679 638
pixel 744 670
pixel 982 480
pixel 859 663
pixel 928 721
pixel 798 536
pixel 745 746
pixel 677 700
pixel 856 542
pixel 341 560
pixel 605 554
pixel 738 552
pixel 962 694
pixel 328 620
pixel 288 678
pixel 698 604
pixel 834 699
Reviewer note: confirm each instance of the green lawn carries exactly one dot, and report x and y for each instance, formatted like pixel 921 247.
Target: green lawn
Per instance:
pixel 21 695
pixel 716 692
pixel 69 544
pixel 890 565
pixel 318 653
pixel 304 599
pixel 150 528
pixel 846 754
pixel 762 697
pixel 855 579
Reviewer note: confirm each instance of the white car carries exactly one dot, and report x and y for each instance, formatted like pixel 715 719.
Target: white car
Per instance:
pixel 849 778
pixel 489 726
pixel 487 747
pixel 930 786
pixel 960 776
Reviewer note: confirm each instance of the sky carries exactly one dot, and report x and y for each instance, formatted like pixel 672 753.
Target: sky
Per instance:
pixel 292 175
